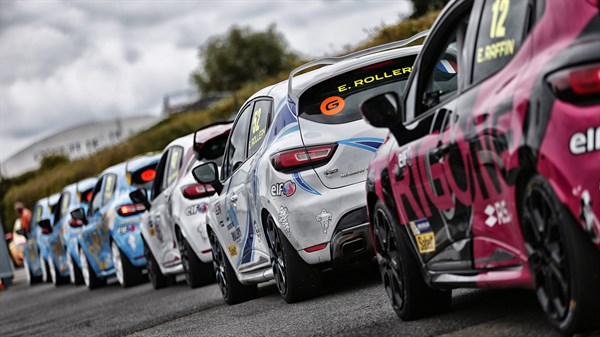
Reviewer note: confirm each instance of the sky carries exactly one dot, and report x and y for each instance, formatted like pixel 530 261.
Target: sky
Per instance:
pixel 64 63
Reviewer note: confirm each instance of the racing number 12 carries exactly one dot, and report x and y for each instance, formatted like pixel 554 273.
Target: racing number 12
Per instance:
pixel 256 121
pixel 499 13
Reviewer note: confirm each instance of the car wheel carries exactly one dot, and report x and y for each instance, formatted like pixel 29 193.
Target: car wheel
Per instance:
pixel 55 276
pixel 296 280
pixel 75 276
pixel 197 273
pixel 127 274
pixel 31 280
pixel 233 291
pixel 157 278
pixel 44 267
pixel 411 297
pixel 90 279
pixel 563 261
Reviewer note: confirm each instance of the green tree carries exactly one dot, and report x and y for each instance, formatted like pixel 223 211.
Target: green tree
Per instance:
pixel 241 56
pixel 420 7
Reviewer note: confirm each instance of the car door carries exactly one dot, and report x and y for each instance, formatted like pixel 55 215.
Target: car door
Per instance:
pixel 160 213
pixel 437 221
pixel 97 231
pixel 231 205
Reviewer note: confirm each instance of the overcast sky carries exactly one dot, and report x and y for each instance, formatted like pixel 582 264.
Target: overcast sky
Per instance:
pixel 65 63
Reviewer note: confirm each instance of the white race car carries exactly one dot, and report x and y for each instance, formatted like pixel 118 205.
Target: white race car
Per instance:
pixel 173 228
pixel 292 198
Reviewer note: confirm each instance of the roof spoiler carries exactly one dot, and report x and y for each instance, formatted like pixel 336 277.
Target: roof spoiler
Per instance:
pixel 335 59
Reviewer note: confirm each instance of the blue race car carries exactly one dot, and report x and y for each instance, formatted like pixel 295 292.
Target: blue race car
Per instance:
pixel 61 237
pixel 110 243
pixel 35 252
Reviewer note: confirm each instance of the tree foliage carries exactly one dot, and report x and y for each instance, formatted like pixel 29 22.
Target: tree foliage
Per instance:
pixel 421 7
pixel 241 56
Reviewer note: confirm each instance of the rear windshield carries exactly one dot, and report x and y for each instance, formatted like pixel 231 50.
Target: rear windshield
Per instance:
pixel 337 100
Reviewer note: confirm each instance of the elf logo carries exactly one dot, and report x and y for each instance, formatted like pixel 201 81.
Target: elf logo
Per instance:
pixel 583 142
pixel 288 189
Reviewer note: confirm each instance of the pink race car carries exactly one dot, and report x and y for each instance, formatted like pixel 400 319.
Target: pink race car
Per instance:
pixel 491 174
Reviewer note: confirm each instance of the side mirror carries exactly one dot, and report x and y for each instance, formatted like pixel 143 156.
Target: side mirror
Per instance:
pixel 139 197
pixel 79 216
pixel 382 110
pixel 208 174
pixel 21 231
pixel 46 226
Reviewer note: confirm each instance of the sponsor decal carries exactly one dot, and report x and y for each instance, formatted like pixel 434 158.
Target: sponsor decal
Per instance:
pixel 218 208
pixel 324 218
pixel 232 250
pixel 236 235
pixel 497 214
pixel 257 232
pixel 131 242
pixel 122 229
pixel 423 235
pixel 288 189
pixel 195 209
pixel 332 105
pixel 586 214
pixel 298 180
pixel 348 174
pixel 375 78
pixel 283 220
pixel 404 157
pixel 585 142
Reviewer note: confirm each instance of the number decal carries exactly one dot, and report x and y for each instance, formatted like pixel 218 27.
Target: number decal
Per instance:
pixel 256 121
pixel 499 13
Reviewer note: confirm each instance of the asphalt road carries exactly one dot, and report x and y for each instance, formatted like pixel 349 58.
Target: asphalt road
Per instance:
pixel 352 304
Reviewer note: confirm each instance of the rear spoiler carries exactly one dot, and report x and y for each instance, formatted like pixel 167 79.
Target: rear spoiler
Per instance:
pixel 335 59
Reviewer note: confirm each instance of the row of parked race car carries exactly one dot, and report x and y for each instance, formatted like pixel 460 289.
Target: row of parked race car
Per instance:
pixel 478 166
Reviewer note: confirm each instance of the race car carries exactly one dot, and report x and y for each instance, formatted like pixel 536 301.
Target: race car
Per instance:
pixel 291 188
pixel 61 234
pixel 110 243
pixel 35 251
pixel 491 177
pixel 177 210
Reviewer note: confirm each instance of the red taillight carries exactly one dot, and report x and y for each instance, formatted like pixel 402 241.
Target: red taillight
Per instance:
pixel 88 196
pixel 131 209
pixel 297 158
pixel 576 85
pixel 316 248
pixel 75 223
pixel 196 191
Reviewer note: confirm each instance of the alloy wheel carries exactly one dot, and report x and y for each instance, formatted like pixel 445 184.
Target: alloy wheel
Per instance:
pixel 547 256
pixel 150 263
pixel 277 256
pixel 85 268
pixel 388 259
pixel 116 257
pixel 184 256
pixel 219 265
pixel 71 268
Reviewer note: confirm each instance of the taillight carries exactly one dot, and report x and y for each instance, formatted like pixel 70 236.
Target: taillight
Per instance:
pixel 75 223
pixel 576 85
pixel 297 158
pixel 131 209
pixel 197 191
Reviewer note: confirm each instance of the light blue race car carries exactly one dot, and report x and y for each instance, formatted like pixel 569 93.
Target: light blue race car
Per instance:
pixel 61 238
pixel 35 252
pixel 110 243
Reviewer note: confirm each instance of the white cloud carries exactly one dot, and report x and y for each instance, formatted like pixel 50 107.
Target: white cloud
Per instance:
pixel 65 63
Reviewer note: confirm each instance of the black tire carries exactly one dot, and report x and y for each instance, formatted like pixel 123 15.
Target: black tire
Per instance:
pixel 90 279
pixel 31 280
pixel 401 275
pixel 75 276
pixel 564 263
pixel 55 276
pixel 128 275
pixel 233 291
pixel 296 280
pixel 197 273
pixel 157 278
